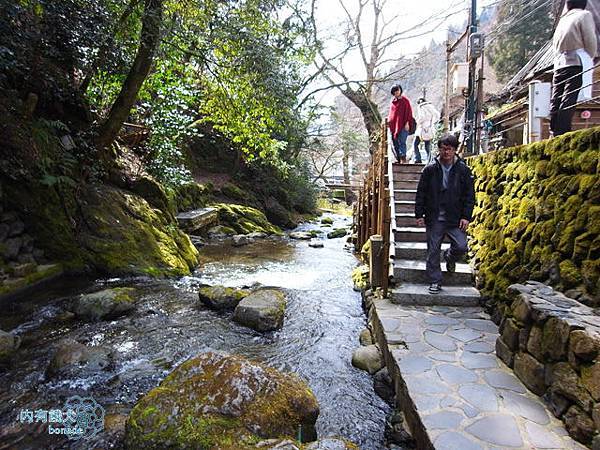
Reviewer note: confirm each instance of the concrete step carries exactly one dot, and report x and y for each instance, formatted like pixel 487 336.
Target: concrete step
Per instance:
pixel 408 168
pixel 413 271
pixel 410 234
pixel 405 206
pixel 414 250
pixel 418 294
pixel 406 220
pixel 405 194
pixel 411 183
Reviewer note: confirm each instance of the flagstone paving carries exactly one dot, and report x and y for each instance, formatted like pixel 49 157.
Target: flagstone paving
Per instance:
pixel 462 395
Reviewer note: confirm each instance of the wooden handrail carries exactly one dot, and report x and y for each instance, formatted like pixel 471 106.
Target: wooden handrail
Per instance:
pixel 372 215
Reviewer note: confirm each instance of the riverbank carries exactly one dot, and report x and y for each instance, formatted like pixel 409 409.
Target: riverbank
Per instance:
pixel 320 331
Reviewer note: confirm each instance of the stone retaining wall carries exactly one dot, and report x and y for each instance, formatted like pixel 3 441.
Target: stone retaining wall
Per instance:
pixel 553 342
pixel 537 216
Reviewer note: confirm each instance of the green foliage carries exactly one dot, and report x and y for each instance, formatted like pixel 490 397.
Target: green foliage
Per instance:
pixel 518 40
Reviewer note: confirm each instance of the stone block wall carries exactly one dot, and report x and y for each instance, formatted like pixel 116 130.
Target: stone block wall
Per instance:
pixel 537 216
pixel 552 343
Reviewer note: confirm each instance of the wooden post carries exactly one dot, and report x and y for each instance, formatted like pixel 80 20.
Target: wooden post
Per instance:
pixel 376 274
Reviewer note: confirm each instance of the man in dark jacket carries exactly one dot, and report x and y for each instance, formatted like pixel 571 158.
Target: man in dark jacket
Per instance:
pixel 444 204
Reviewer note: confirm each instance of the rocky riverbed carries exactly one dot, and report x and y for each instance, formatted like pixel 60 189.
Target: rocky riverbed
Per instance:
pixel 133 350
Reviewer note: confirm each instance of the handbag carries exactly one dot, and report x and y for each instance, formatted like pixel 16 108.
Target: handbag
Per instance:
pixel 412 126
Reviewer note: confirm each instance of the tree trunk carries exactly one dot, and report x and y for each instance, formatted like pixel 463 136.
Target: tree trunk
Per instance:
pixel 346 164
pixel 149 39
pixel 370 113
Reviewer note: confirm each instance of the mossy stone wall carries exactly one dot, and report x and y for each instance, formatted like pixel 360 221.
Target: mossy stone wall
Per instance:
pixel 537 216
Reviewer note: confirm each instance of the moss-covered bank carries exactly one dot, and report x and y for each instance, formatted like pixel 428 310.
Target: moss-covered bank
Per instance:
pixel 103 228
pixel 537 216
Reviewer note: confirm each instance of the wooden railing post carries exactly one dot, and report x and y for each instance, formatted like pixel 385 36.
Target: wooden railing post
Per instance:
pixel 372 215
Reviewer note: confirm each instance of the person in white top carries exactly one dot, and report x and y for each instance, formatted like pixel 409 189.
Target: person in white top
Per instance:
pixel 575 47
pixel 427 116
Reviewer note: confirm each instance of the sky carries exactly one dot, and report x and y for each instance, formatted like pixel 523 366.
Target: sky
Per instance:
pixel 411 17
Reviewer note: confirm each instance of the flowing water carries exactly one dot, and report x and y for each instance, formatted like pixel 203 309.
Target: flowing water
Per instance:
pixel 322 323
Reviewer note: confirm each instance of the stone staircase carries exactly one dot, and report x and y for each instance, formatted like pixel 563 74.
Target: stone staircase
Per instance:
pixel 439 350
pixel 410 244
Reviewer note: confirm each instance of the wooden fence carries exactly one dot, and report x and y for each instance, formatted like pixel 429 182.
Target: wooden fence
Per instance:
pixel 372 212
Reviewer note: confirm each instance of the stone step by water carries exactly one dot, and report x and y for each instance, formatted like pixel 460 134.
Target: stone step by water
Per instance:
pixel 191 221
pixel 418 294
pixel 413 271
pixel 454 392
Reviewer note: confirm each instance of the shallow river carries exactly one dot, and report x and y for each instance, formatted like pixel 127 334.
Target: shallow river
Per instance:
pixel 320 332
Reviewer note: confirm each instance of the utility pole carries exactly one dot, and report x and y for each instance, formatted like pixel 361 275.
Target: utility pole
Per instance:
pixel 470 106
pixel 449 50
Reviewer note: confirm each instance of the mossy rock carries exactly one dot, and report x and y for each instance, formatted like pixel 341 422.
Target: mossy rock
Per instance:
pixel 570 274
pixel 223 402
pixel 154 194
pixel 327 220
pixel 108 229
pixel 9 344
pixel 588 161
pixel 105 304
pixel 245 219
pixel 337 233
pixel 221 297
pixel 262 310
pixel 590 273
pixel 360 277
pixel 233 192
pixel 190 196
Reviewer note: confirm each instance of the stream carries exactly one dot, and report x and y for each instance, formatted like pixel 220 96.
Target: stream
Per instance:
pixel 322 322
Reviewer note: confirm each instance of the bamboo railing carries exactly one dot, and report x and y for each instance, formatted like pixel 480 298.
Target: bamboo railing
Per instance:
pixel 372 212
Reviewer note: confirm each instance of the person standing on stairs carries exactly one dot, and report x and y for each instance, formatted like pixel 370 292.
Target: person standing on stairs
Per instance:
pixel 575 46
pixel 427 116
pixel 444 205
pixel 399 120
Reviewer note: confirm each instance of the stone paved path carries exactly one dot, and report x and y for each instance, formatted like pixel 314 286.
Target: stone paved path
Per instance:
pixel 457 395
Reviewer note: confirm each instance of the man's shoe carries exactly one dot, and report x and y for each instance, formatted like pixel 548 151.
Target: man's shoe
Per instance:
pixel 450 265
pixel 435 288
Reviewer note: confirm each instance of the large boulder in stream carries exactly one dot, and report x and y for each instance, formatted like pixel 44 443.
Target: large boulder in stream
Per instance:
pixel 215 401
pixel 263 310
pixel 74 358
pixel 9 344
pixel 105 304
pixel 221 297
pixel 368 358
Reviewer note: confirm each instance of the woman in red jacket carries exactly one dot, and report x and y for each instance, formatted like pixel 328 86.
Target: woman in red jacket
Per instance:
pixel 399 118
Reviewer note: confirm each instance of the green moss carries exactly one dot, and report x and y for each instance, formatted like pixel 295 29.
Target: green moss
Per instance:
pixel 536 214
pixel 233 192
pixel 245 219
pixel 570 274
pixel 273 411
pixel 123 295
pixel 588 161
pixel 192 196
pixel 337 233
pixel 327 220
pixel 42 273
pixel 360 277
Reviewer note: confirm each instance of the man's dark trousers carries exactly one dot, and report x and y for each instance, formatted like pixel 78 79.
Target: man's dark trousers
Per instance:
pixel 565 90
pixel 435 235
